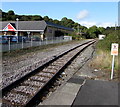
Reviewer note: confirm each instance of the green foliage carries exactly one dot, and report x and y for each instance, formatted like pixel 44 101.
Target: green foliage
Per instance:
pixel 101 29
pixel 76 36
pixel 10 12
pixel 112 37
pixel 37 18
pixel 24 18
pixel 104 47
pixel 93 32
pixel 46 18
pixel 67 22
pixel 56 21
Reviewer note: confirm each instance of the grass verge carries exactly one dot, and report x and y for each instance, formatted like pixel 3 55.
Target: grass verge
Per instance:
pixel 103 60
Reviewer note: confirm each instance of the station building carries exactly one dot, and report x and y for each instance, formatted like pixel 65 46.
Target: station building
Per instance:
pixel 42 29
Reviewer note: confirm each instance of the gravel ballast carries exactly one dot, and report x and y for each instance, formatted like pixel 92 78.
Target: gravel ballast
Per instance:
pixel 16 67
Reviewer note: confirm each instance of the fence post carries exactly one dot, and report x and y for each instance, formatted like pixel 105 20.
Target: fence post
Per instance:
pixel 22 42
pixel 46 40
pixel 60 39
pixel 9 43
pixel 31 41
pixel 52 39
pixel 40 42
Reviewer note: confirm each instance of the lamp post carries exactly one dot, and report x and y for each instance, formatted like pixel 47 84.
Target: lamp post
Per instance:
pixel 17 29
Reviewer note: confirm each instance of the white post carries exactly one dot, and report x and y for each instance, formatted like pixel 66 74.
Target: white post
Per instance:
pixel 22 42
pixel 113 61
pixel 31 41
pixel 40 42
pixel 46 40
pixel 9 43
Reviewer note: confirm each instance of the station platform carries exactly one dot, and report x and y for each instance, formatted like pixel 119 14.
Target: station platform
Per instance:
pixel 78 91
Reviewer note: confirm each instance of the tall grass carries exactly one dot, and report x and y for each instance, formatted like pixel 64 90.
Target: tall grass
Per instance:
pixel 103 59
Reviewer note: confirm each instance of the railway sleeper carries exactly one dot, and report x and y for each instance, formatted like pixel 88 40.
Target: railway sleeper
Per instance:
pixel 16 99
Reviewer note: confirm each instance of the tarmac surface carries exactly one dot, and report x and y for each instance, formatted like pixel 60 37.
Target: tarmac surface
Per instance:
pixel 95 92
pixel 80 92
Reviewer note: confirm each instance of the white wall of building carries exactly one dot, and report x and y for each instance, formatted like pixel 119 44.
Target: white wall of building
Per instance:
pixel 101 37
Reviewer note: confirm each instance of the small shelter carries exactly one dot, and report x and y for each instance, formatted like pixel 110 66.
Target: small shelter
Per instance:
pixel 101 37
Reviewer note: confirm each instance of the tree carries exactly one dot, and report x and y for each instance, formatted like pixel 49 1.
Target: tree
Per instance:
pixel 56 21
pixel 37 18
pixel 24 18
pixel 75 26
pixel 11 12
pixel 67 22
pixel 0 15
pixel 101 29
pixel 64 19
pixel 93 32
pixel 46 18
pixel 50 20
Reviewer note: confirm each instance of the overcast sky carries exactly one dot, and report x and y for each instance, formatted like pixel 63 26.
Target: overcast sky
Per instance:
pixel 86 13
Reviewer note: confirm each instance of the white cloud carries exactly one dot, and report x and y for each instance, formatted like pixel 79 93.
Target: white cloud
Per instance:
pixel 87 23
pixel 82 14
pixel 106 24
pixel 92 23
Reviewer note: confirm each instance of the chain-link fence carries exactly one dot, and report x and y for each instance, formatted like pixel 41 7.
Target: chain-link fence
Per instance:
pixel 31 43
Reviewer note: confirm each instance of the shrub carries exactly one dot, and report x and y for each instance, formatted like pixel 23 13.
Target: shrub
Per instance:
pixel 105 44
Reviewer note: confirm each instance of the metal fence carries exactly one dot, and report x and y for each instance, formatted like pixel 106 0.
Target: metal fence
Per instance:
pixel 30 43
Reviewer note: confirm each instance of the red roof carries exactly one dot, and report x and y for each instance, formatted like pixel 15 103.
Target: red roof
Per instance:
pixel 9 27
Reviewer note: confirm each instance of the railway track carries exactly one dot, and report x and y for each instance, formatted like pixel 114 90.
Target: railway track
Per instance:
pixel 25 91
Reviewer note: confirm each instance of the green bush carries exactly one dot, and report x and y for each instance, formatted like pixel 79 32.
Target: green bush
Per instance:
pixel 105 44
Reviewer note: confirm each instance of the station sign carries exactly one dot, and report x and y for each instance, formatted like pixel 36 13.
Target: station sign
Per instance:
pixel 114 52
pixel 114 49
